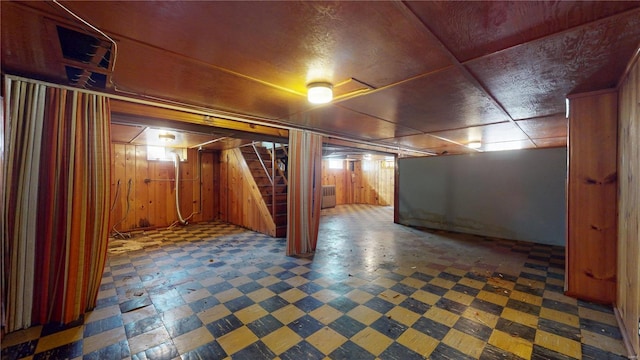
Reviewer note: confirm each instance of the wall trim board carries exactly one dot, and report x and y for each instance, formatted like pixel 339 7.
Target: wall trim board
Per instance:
pixel 591 251
pixel 631 354
pixel 519 194
pixel 627 303
pixel 591 93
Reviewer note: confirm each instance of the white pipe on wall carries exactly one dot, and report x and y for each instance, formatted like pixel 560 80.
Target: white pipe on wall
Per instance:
pixel 176 163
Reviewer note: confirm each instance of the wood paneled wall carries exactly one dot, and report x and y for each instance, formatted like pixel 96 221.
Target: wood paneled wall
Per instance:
pixel 240 200
pixel 628 303
pixel 361 182
pixel 341 178
pixel 592 197
pixel 151 191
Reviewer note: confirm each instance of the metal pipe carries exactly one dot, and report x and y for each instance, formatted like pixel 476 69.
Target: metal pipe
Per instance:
pixel 128 208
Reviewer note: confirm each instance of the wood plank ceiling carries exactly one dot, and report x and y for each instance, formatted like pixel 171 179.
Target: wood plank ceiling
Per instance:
pixel 428 76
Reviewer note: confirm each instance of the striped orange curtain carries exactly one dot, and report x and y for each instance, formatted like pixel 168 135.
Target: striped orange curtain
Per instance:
pixel 305 191
pixel 56 212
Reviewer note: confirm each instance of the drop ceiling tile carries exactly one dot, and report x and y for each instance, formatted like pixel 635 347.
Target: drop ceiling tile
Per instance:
pixel 501 132
pixel 287 43
pixel 339 121
pixel 429 143
pixel 173 78
pixel 440 101
pixel 225 144
pixel 533 79
pixel 125 133
pixel 554 126
pixel 551 142
pixel 508 145
pixel 475 28
pixel 29 46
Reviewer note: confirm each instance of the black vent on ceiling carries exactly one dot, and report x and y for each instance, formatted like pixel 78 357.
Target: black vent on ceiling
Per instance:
pixel 81 76
pixel 81 47
pixel 73 73
pixel 104 63
pixel 91 56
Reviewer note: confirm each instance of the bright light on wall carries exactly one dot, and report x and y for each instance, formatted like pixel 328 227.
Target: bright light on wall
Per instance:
pixel 161 153
pixel 336 164
pixel 166 137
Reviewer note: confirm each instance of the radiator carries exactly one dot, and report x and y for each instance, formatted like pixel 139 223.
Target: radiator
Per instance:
pixel 328 196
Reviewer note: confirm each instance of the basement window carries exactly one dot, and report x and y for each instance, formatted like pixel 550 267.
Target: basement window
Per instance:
pixel 368 165
pixel 161 153
pixel 336 164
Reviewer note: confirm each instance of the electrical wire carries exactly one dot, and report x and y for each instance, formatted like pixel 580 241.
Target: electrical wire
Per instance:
pixel 176 162
pixel 115 45
pixel 115 200
pixel 180 220
pixel 113 229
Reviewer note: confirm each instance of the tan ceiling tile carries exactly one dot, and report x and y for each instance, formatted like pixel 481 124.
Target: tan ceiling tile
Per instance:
pixel 445 100
pixel 500 132
pixel 474 28
pixel 553 126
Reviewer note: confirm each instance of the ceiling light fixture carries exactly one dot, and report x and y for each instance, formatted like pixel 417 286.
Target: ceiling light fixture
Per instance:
pixel 167 137
pixel 475 145
pixel 319 92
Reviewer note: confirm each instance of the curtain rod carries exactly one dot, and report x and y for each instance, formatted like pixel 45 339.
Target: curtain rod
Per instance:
pixel 212 113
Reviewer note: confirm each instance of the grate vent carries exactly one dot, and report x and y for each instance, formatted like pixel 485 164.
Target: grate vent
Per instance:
pixel 89 55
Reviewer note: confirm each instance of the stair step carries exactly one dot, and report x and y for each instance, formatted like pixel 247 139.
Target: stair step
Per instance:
pixel 280 219
pixel 280 199
pixel 261 150
pixel 279 188
pixel 257 164
pixel 280 207
pixel 281 231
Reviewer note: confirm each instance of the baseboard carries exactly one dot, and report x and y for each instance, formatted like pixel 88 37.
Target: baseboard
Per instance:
pixel 625 338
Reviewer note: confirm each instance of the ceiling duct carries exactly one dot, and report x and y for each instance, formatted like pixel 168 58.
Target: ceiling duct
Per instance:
pixel 87 58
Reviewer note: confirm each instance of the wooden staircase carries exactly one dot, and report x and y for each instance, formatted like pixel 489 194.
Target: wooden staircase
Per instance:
pixel 271 181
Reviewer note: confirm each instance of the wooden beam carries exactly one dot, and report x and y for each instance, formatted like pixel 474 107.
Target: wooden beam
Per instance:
pixel 373 147
pixel 154 112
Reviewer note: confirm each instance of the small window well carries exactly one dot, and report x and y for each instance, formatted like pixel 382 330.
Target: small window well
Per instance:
pixel 336 163
pixel 161 153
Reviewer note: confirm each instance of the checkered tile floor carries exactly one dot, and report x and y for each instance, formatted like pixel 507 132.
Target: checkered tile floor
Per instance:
pixel 374 289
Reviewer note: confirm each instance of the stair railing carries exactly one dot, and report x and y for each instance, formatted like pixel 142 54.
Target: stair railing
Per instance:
pixel 262 163
pixel 270 177
pixel 273 183
pixel 282 173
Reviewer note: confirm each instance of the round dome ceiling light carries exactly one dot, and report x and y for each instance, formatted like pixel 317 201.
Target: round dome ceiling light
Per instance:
pixel 319 92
